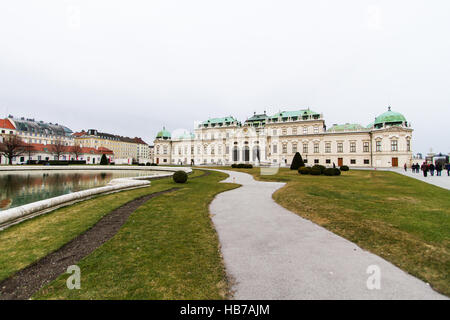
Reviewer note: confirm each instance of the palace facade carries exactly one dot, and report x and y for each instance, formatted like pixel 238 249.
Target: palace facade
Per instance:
pixel 274 139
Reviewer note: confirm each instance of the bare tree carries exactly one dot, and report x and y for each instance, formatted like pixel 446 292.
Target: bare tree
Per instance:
pixel 58 148
pixel 77 150
pixel 11 146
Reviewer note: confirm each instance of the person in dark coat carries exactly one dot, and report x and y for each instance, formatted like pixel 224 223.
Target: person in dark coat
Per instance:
pixel 417 167
pixel 438 169
pixel 432 167
pixel 424 168
pixel 405 167
pixel 447 166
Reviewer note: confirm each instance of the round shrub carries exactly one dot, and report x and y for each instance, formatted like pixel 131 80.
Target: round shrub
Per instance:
pixel 337 172
pixel 344 168
pixel 319 167
pixel 315 172
pixel 329 172
pixel 180 176
pixel 304 170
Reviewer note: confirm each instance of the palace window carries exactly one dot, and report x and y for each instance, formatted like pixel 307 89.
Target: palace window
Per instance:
pixel 305 130
pixel 284 147
pixel 408 145
pixel 284 131
pixel 227 149
pixel 328 147
pixel 366 146
pixel 352 161
pixel 366 161
pixel 352 146
pixel 316 147
pixel 294 147
pixel 316 161
pixel 213 150
pixel 294 130
pixel 340 147
pixel 165 150
pixel 305 148
pixel 378 146
pixel 327 161
pixel 274 132
pixel 274 148
pixel 394 145
pixel 198 150
pixel 316 129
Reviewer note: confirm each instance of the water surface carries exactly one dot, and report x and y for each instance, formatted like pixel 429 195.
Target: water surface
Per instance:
pixel 19 188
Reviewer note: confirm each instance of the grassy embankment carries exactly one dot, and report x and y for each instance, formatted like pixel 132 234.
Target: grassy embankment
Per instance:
pixel 168 248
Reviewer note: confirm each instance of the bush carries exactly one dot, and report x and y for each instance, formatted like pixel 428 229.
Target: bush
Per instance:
pixel 315 172
pixel 297 162
pixel 332 172
pixel 154 164
pixel 180 176
pixel 320 168
pixel 344 168
pixel 241 166
pixel 103 160
pixel 304 170
pixel 148 164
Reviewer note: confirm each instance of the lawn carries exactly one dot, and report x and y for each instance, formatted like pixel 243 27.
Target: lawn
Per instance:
pixel 403 220
pixel 168 249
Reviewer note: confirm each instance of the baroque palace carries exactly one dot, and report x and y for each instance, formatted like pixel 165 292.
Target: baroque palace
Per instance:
pixel 273 140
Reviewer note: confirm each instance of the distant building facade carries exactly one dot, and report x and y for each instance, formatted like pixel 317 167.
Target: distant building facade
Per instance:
pixel 40 132
pixel 126 150
pixel 273 140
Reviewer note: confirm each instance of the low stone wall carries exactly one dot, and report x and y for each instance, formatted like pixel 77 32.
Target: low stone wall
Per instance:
pixel 15 215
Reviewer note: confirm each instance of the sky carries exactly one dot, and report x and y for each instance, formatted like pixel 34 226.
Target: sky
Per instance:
pixel 132 67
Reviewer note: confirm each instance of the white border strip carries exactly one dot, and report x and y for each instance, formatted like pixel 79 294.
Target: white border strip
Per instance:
pixel 15 215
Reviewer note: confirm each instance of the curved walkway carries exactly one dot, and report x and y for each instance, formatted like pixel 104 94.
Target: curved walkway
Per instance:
pixel 272 253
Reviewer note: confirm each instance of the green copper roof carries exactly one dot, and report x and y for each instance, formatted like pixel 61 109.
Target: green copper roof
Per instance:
pixel 258 117
pixel 298 113
pixel 389 117
pixel 163 134
pixel 345 127
pixel 219 120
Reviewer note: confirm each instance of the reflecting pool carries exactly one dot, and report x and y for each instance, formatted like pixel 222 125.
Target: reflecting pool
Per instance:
pixel 19 188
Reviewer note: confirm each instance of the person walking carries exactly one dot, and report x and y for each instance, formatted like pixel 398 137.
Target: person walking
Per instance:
pixel 432 167
pixel 424 168
pixel 438 169
pixel 447 166
pixel 417 167
pixel 405 167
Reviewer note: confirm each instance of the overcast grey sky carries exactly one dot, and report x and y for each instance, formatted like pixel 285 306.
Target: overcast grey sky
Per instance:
pixel 130 67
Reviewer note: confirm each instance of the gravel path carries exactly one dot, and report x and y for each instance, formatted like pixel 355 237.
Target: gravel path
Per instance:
pixel 272 253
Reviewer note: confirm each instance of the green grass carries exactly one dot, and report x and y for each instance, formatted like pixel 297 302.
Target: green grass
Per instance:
pixel 401 219
pixel 24 243
pixel 168 249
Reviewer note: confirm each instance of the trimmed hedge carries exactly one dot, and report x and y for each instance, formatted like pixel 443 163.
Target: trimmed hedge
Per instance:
pixel 315 171
pixel 332 172
pixel 320 168
pixel 180 176
pixel 241 166
pixel 297 162
pixel 344 168
pixel 304 170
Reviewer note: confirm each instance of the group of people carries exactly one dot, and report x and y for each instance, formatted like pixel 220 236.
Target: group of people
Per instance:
pixel 431 168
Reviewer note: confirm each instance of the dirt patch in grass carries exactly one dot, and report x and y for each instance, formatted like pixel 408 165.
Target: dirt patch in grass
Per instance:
pixel 26 282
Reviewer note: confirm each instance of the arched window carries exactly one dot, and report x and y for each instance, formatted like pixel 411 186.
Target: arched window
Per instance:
pixel 246 154
pixel 235 154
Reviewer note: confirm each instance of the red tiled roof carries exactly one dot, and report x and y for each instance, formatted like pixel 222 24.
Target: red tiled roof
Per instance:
pixel 68 149
pixel 139 140
pixel 6 124
pixel 79 134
